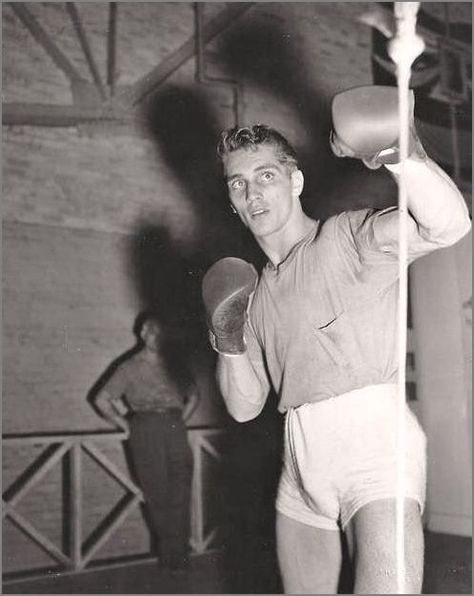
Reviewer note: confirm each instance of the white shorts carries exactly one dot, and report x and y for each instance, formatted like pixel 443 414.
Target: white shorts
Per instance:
pixel 341 454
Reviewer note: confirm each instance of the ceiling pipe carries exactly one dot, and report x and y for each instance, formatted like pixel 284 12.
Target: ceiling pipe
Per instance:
pixel 150 81
pixel 201 75
pixel 112 47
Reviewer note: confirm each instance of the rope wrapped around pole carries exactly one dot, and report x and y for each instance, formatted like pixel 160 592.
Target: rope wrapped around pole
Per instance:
pixel 404 48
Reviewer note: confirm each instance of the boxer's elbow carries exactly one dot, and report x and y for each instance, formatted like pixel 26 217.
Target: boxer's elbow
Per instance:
pixel 244 411
pixel 437 203
pixel 461 228
pixel 458 222
pixel 454 229
pixel 244 406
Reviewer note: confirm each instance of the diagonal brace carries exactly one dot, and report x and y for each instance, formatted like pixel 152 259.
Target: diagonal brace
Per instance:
pixel 13 495
pixel 111 468
pixel 43 38
pixel 86 48
pixel 44 543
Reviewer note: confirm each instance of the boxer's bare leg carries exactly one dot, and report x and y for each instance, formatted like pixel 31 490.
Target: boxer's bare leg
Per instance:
pixel 371 536
pixel 310 558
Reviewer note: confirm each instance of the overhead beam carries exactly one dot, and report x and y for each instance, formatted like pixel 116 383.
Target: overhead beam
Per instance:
pixel 169 65
pixel 37 114
pixel 43 38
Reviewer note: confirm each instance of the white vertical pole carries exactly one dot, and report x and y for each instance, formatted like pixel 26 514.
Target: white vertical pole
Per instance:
pixel 403 49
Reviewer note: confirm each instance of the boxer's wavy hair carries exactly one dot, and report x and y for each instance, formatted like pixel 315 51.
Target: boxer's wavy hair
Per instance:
pixel 253 136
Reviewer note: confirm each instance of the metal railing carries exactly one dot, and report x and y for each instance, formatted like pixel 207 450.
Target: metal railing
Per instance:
pixel 77 553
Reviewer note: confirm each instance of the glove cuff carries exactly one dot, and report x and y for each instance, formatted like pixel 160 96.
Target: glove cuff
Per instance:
pixel 391 155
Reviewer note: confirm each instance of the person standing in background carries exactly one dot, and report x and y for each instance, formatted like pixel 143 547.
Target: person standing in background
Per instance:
pixel 151 400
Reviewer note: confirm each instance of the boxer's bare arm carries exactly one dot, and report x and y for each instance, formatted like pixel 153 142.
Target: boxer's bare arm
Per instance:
pixel 243 390
pixel 434 201
pixel 365 123
pixel 227 287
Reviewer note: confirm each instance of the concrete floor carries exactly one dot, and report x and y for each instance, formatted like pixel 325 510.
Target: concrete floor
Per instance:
pixel 448 570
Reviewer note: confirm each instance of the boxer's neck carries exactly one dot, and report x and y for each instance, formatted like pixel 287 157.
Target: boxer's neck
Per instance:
pixel 278 246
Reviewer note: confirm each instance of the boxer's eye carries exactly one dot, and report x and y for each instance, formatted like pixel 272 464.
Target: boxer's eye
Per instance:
pixel 237 184
pixel 267 176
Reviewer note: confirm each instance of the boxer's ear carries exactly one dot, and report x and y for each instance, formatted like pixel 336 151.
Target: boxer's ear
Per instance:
pixel 297 182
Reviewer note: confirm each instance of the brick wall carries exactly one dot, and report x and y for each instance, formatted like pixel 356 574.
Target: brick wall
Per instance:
pixel 87 212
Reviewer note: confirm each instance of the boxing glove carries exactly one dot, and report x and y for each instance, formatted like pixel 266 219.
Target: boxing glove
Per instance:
pixel 366 126
pixel 226 288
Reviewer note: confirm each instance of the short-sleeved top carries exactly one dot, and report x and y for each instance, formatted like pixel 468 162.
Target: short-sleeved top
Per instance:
pixel 324 321
pixel 145 385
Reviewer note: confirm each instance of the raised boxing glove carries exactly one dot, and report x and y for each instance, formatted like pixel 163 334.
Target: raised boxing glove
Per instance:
pixel 226 288
pixel 366 127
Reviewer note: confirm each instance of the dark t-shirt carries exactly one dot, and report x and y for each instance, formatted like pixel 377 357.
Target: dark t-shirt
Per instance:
pixel 145 385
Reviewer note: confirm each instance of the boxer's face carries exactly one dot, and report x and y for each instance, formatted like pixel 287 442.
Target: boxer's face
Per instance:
pixel 264 192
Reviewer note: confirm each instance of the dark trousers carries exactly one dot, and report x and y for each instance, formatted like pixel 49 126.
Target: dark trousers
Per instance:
pixel 163 465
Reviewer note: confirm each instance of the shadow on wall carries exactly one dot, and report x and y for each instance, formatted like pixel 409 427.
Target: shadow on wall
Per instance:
pixel 168 277
pixel 186 130
pixel 168 273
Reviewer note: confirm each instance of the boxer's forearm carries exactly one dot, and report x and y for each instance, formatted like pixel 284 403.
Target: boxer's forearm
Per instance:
pixel 434 202
pixel 366 122
pixel 243 392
